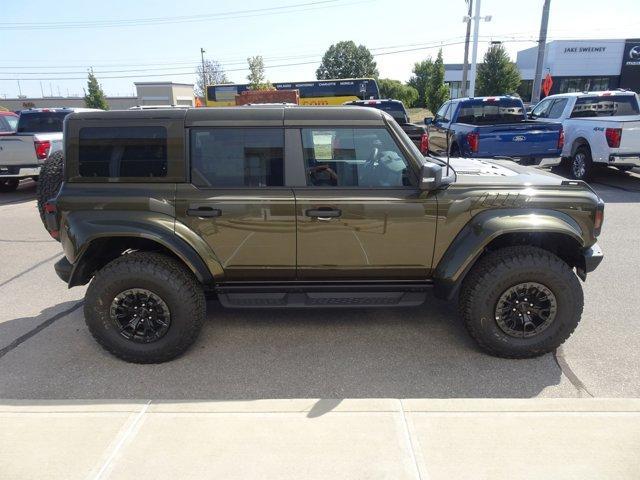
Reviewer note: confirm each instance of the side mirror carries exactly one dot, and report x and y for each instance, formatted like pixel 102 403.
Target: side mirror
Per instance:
pixel 430 176
pixel 428 120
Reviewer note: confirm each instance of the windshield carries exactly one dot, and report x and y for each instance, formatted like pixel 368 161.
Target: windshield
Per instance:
pixel 41 122
pixel 491 111
pixel 605 106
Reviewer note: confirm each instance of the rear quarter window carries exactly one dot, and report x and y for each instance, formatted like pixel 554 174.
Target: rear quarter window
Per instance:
pixel 122 152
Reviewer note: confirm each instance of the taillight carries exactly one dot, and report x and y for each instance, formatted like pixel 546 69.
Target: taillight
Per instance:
pixel 42 149
pixel 51 220
pixel 473 140
pixel 599 218
pixel 614 135
pixel 561 139
pixel 424 143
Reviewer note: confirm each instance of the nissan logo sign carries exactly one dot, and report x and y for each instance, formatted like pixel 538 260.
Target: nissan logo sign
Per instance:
pixel 519 138
pixel 634 53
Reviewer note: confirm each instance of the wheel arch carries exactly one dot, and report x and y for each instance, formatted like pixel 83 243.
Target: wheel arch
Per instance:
pixel 91 240
pixel 101 250
pixel 579 142
pixel 490 230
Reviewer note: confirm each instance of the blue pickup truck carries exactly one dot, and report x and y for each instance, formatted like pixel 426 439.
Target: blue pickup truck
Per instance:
pixel 493 127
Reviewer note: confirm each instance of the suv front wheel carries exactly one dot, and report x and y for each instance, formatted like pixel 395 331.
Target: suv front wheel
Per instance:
pixel 145 307
pixel 521 302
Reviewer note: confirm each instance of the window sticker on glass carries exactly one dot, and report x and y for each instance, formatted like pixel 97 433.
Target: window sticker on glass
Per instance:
pixel 323 145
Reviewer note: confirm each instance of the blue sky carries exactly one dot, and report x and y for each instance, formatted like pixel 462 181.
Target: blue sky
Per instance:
pixel 283 36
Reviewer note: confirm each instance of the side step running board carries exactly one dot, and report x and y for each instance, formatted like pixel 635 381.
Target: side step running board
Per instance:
pixel 323 295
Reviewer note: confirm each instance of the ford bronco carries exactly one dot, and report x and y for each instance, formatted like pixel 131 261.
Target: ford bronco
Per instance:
pixel 278 206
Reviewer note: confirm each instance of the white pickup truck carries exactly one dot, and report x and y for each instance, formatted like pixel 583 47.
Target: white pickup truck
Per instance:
pixel 39 133
pixel 600 128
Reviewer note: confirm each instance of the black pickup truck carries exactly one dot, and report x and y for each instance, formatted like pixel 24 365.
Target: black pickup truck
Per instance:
pixel 395 108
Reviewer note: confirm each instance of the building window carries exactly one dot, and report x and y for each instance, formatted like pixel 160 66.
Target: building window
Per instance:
pixel 455 89
pixel 582 84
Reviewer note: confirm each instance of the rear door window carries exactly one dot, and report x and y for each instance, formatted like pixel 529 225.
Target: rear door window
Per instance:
pixel 605 106
pixel 557 108
pixel 121 152
pixel 237 157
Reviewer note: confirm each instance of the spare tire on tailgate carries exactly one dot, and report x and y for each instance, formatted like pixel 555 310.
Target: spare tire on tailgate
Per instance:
pixel 51 175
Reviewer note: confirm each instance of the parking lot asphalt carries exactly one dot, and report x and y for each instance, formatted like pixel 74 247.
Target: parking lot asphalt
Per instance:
pixel 46 352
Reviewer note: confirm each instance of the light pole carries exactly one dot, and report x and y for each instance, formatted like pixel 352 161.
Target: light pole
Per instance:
pixel 474 54
pixel 465 65
pixel 204 76
pixel 542 43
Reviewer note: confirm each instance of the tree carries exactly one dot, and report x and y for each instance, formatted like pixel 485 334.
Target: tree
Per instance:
pixel 257 80
pixel 436 92
pixel 213 73
pixel 419 80
pixel 396 89
pixel 497 75
pixel 93 95
pixel 346 60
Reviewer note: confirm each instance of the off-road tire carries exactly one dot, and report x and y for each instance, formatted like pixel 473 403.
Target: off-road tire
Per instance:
pixel 8 185
pixel 582 155
pixel 49 181
pixel 454 151
pixel 496 272
pixel 165 277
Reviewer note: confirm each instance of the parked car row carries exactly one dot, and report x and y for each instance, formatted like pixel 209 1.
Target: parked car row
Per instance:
pixel 36 133
pixel 579 130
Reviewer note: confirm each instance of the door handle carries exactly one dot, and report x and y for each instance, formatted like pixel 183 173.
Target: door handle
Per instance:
pixel 323 213
pixel 203 211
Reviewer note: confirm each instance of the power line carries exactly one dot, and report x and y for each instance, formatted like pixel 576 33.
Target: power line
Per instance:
pixel 283 9
pixel 439 45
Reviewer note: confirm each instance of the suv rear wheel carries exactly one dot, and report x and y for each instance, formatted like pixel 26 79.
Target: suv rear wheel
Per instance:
pixel 521 302
pixel 145 307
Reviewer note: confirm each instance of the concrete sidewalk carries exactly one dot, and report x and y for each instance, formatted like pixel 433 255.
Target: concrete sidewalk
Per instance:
pixel 322 439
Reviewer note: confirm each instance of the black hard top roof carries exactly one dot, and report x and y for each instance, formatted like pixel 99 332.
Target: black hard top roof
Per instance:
pixel 253 114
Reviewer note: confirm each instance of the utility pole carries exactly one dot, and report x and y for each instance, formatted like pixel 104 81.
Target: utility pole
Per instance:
pixel 542 43
pixel 19 88
pixel 204 76
pixel 465 66
pixel 474 54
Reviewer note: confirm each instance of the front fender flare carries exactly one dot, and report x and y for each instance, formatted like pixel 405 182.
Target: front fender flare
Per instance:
pixel 485 227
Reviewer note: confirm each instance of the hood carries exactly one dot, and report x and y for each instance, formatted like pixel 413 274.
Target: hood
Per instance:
pixel 472 170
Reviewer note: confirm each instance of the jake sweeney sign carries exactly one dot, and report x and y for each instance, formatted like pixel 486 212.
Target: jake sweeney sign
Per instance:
pixel 585 49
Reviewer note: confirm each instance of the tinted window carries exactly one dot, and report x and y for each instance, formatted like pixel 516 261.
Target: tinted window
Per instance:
pixel 488 111
pixel 605 106
pixel 557 108
pixel 123 152
pixel 41 122
pixel 237 157
pixel 353 157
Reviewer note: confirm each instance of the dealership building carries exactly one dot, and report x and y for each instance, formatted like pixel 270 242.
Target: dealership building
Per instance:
pixel 574 66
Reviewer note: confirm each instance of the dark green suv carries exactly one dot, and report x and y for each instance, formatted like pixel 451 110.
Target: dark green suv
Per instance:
pixel 278 206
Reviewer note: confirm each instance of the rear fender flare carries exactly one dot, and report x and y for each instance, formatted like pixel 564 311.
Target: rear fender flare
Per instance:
pixel 83 229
